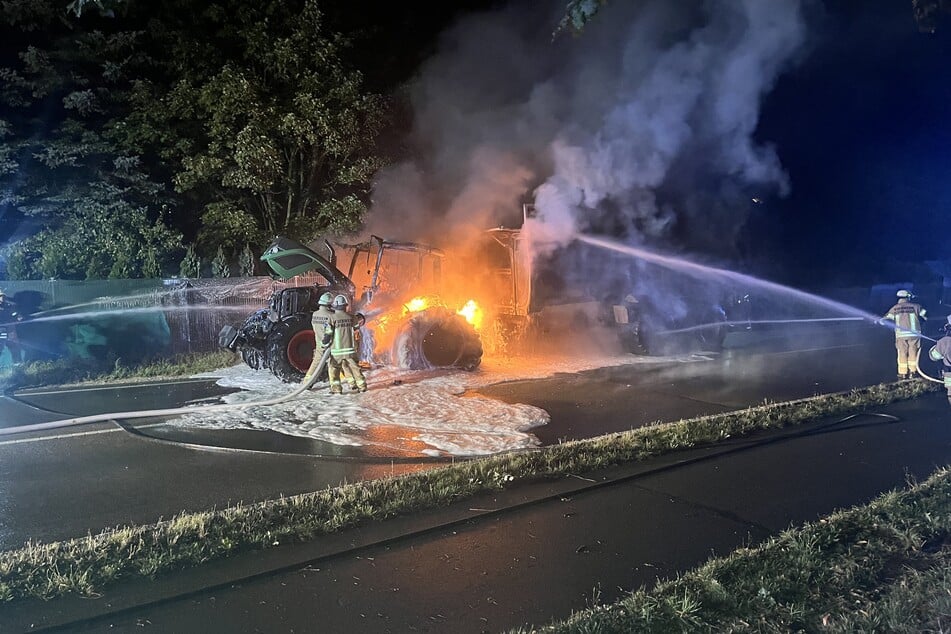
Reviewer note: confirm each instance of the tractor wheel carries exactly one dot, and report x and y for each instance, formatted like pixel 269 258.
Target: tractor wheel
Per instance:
pixel 290 348
pixel 252 358
pixel 435 338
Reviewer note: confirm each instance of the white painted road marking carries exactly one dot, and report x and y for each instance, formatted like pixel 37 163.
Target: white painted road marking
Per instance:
pixel 81 433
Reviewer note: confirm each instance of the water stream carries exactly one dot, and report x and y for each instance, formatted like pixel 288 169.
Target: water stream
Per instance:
pixel 705 272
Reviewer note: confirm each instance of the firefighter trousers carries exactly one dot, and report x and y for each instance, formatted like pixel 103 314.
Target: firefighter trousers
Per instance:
pixel 908 349
pixel 346 364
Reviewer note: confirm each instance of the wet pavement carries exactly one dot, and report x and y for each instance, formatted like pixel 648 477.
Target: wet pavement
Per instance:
pixel 539 551
pixel 64 483
pixel 561 548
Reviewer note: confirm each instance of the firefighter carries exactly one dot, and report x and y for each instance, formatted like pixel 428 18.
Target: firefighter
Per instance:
pixel 941 351
pixel 8 333
pixel 907 316
pixel 319 322
pixel 340 335
pixel 627 316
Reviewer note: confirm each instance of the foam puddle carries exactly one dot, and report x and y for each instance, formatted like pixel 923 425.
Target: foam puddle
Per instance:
pixel 420 412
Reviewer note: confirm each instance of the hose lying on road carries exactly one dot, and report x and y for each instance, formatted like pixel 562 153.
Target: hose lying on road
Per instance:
pixel 99 418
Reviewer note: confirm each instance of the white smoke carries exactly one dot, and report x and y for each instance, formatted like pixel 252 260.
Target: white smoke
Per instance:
pixel 641 124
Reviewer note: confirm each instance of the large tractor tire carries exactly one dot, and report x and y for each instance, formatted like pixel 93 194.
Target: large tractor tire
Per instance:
pixel 290 348
pixel 254 359
pixel 437 338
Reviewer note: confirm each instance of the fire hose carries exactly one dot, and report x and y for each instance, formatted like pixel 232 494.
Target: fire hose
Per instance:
pixel 882 322
pixel 922 372
pixel 99 418
pixel 305 385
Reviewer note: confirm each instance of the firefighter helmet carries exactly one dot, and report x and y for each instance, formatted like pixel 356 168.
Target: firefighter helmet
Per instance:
pixel 340 302
pixel 903 294
pixel 325 300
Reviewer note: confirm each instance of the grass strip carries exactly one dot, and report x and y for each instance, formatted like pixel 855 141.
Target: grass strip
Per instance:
pixel 882 567
pixel 87 565
pixel 80 371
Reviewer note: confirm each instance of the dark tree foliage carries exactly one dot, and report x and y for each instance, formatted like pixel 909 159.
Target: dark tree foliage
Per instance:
pixel 578 13
pixel 258 118
pixel 94 210
pixel 123 126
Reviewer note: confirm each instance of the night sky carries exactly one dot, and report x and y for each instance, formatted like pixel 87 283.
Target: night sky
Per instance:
pixel 863 126
pixel 860 122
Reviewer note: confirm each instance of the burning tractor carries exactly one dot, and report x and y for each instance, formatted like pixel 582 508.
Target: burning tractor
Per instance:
pixel 580 290
pixel 405 321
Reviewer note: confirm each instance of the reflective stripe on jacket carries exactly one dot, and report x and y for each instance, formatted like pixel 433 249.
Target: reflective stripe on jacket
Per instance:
pixel 907 317
pixel 339 334
pixel 941 351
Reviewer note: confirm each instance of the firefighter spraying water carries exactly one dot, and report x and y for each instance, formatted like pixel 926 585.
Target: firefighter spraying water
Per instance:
pixel 941 351
pixel 281 338
pixel 9 317
pixel 907 317
pixel 340 333
pixel 319 322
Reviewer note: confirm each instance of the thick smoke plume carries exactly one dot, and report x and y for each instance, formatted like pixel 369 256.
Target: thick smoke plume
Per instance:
pixel 641 126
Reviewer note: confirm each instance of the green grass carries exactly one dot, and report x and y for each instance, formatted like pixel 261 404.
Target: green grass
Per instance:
pixel 79 371
pixel 86 565
pixel 883 567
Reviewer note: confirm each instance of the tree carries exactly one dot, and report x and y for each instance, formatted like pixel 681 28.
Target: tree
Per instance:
pixel 259 117
pixel 104 7
pixel 578 13
pixel 118 115
pixel 246 262
pixel 191 263
pixel 219 265
pixel 94 208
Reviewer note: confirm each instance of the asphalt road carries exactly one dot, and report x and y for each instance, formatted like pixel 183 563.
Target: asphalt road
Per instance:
pixel 63 483
pixel 449 572
pixel 557 548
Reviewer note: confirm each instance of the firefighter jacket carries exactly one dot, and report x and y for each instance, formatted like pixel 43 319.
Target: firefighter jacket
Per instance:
pixel 907 317
pixel 319 320
pixel 340 334
pixel 941 351
pixel 8 312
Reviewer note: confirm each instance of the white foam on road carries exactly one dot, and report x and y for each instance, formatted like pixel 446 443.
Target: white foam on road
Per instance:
pixel 420 412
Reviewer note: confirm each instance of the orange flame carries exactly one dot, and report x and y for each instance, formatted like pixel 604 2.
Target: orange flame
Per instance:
pixel 472 313
pixel 415 305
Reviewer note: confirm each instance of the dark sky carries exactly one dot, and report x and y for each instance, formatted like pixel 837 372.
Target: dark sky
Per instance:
pixel 863 126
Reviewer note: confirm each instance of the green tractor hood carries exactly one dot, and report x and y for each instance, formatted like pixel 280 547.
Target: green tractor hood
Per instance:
pixel 288 258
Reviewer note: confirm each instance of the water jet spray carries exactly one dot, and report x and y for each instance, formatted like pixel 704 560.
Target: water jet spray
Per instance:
pixel 701 271
pixel 760 322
